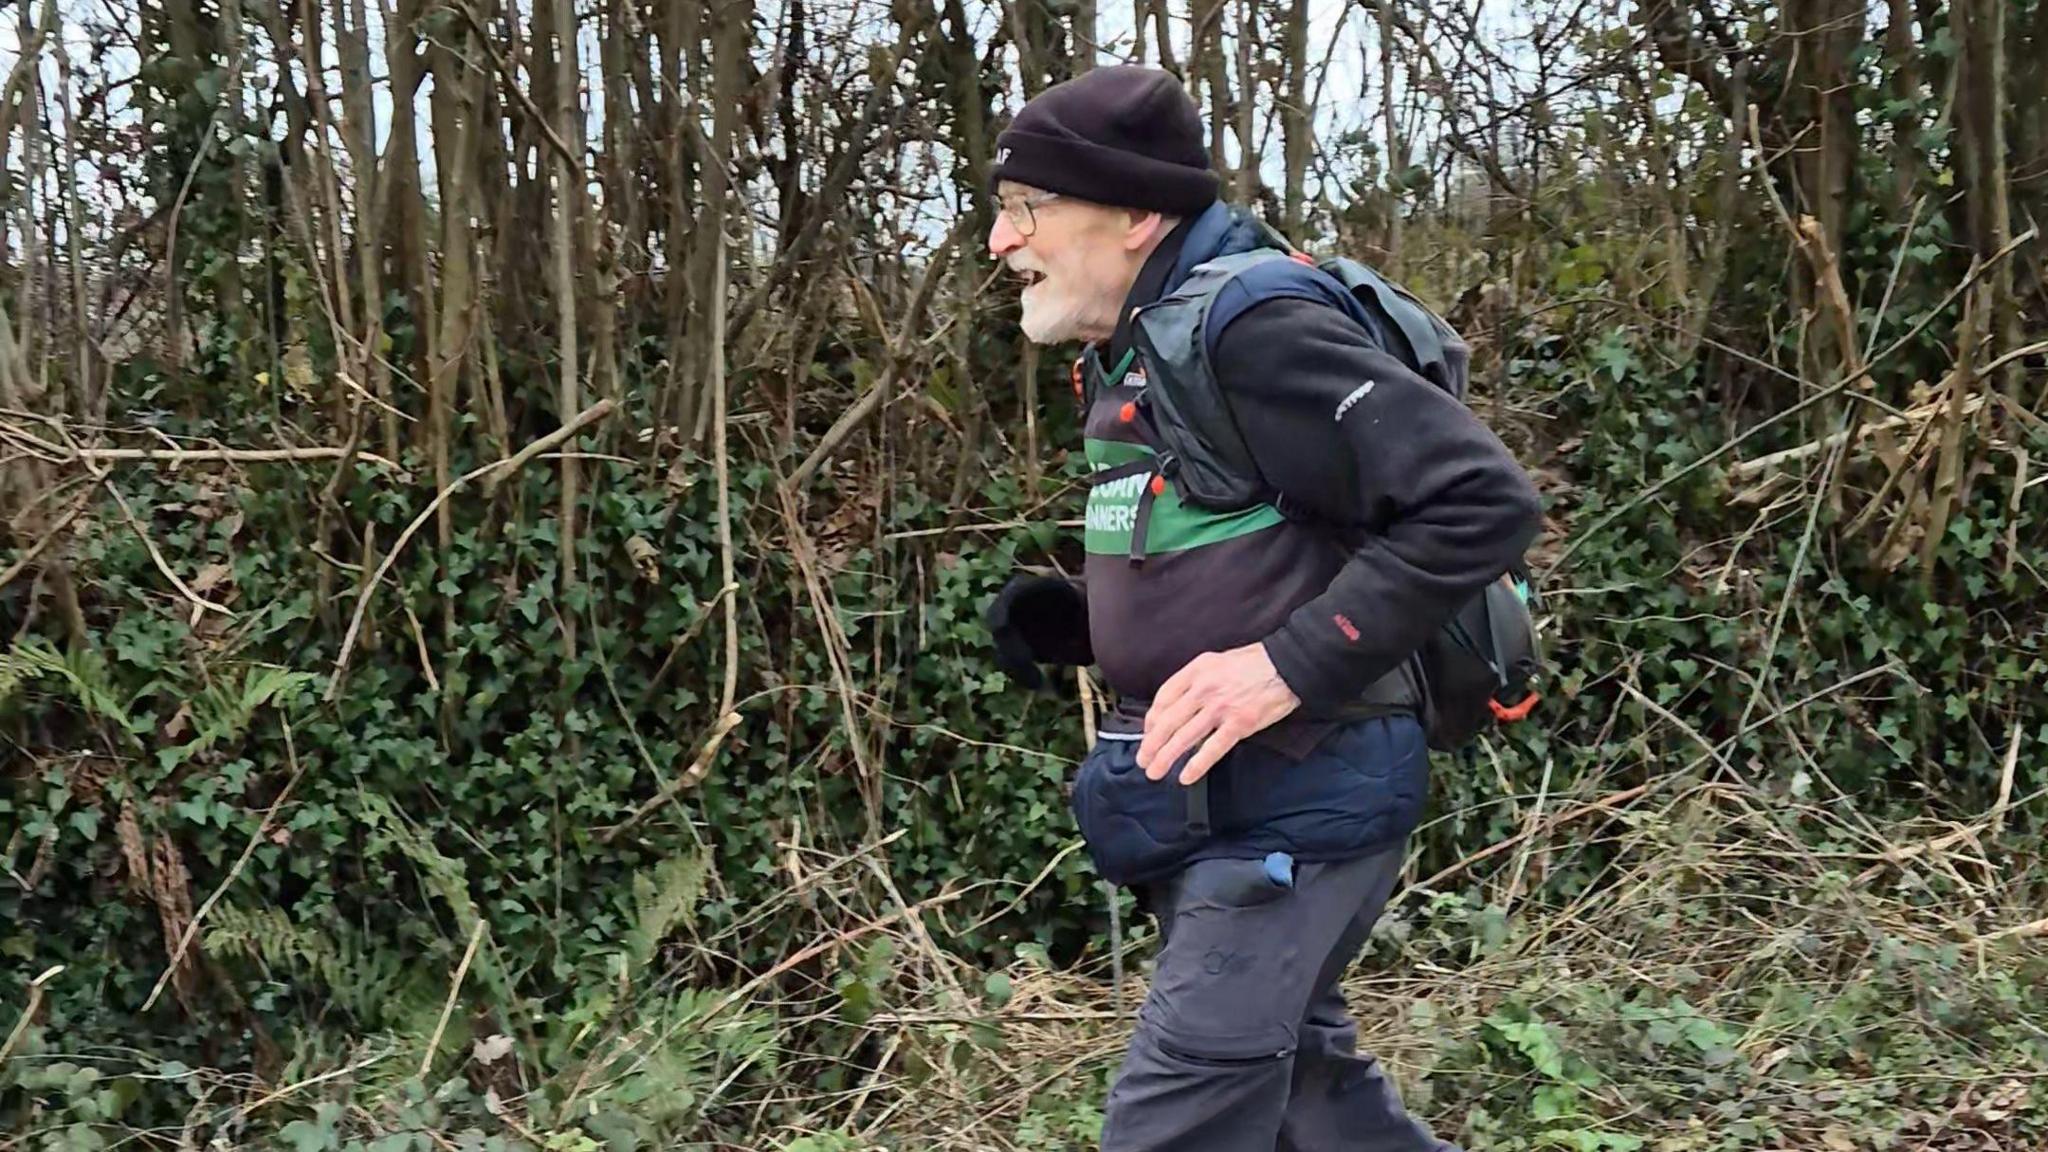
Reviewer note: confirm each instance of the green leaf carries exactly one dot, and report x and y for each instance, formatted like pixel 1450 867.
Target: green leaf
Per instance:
pixel 997 986
pixel 317 1134
pixel 79 1138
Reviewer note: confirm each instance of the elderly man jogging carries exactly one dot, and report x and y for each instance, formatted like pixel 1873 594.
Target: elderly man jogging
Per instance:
pixel 1269 544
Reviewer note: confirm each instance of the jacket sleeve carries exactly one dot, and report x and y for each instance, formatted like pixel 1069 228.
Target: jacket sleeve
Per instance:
pixel 1438 505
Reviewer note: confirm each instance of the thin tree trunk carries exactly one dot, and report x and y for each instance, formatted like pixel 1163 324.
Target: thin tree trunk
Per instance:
pixel 794 203
pixel 319 183
pixel 1247 100
pixel 358 134
pixel 1034 468
pixel 2030 160
pixel 731 21
pixel 679 32
pixel 228 296
pixel 490 203
pixel 459 77
pixel 188 45
pixel 1949 464
pixel 1086 36
pixel 1979 28
pixel 1823 107
pixel 640 55
pixel 33 139
pixel 1030 56
pixel 1296 124
pixel 1164 27
pixel 405 210
pixel 1397 153
pixel 53 204
pixel 621 118
pixel 599 237
pixel 23 478
pixel 1699 309
pixel 970 112
pixel 1905 92
pixel 523 286
pixel 2005 313
pixel 83 401
pixel 569 392
pixel 315 181
pixel 1204 74
pixel 2030 136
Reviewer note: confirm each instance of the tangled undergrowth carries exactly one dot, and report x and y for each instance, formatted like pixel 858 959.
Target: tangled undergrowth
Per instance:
pixel 1744 972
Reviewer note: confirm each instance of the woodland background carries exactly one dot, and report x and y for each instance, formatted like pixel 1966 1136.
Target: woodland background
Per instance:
pixel 496 501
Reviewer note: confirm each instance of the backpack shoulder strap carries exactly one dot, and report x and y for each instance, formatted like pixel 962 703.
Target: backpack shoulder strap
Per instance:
pixel 1201 449
pixel 1196 430
pixel 1405 326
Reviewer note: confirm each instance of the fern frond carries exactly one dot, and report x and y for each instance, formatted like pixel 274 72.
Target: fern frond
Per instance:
pixel 664 896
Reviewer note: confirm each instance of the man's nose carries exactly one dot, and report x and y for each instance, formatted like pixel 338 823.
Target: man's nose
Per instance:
pixel 1003 237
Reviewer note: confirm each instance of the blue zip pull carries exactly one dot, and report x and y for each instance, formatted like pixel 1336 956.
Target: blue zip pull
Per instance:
pixel 1280 869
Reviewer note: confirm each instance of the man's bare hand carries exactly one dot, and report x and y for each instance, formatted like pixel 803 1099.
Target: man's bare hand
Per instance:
pixel 1217 700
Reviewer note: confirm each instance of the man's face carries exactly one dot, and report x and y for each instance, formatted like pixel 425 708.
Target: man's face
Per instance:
pixel 1077 259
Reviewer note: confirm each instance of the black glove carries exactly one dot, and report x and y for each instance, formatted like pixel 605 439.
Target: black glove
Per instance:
pixel 1039 620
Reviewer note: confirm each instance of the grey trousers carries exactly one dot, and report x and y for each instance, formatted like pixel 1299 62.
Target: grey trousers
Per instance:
pixel 1244 1044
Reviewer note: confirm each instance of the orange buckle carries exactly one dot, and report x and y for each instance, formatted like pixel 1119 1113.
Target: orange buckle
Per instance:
pixel 1159 485
pixel 1302 258
pixel 1508 715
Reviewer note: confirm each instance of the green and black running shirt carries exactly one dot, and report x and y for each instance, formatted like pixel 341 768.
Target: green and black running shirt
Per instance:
pixel 1208 582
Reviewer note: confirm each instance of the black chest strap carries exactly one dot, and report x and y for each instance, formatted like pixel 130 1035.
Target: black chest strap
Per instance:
pixel 1146 495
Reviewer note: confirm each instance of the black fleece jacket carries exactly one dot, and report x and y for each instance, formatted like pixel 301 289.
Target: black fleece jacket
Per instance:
pixel 1430 503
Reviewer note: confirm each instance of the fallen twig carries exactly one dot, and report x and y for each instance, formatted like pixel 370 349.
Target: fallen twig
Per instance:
pixel 835 645
pixel 2005 775
pixel 248 850
pixel 1750 469
pixel 698 768
pixel 588 416
pixel 60 453
pixel 199 603
pixel 1605 804
pixel 476 936
pixel 1734 442
pixel 229 455
pixel 891 374
pixel 2036 928
pixel 39 547
pixel 28 1011
pixel 243 1112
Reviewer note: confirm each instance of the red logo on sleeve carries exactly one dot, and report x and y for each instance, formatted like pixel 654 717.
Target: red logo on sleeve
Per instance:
pixel 1345 625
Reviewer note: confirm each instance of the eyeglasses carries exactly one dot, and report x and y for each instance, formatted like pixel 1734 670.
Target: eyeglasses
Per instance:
pixel 1022 211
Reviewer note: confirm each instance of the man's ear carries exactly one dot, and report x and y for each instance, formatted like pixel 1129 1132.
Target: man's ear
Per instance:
pixel 1143 229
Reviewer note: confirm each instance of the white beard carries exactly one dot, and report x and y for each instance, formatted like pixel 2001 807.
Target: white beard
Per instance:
pixel 1051 319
